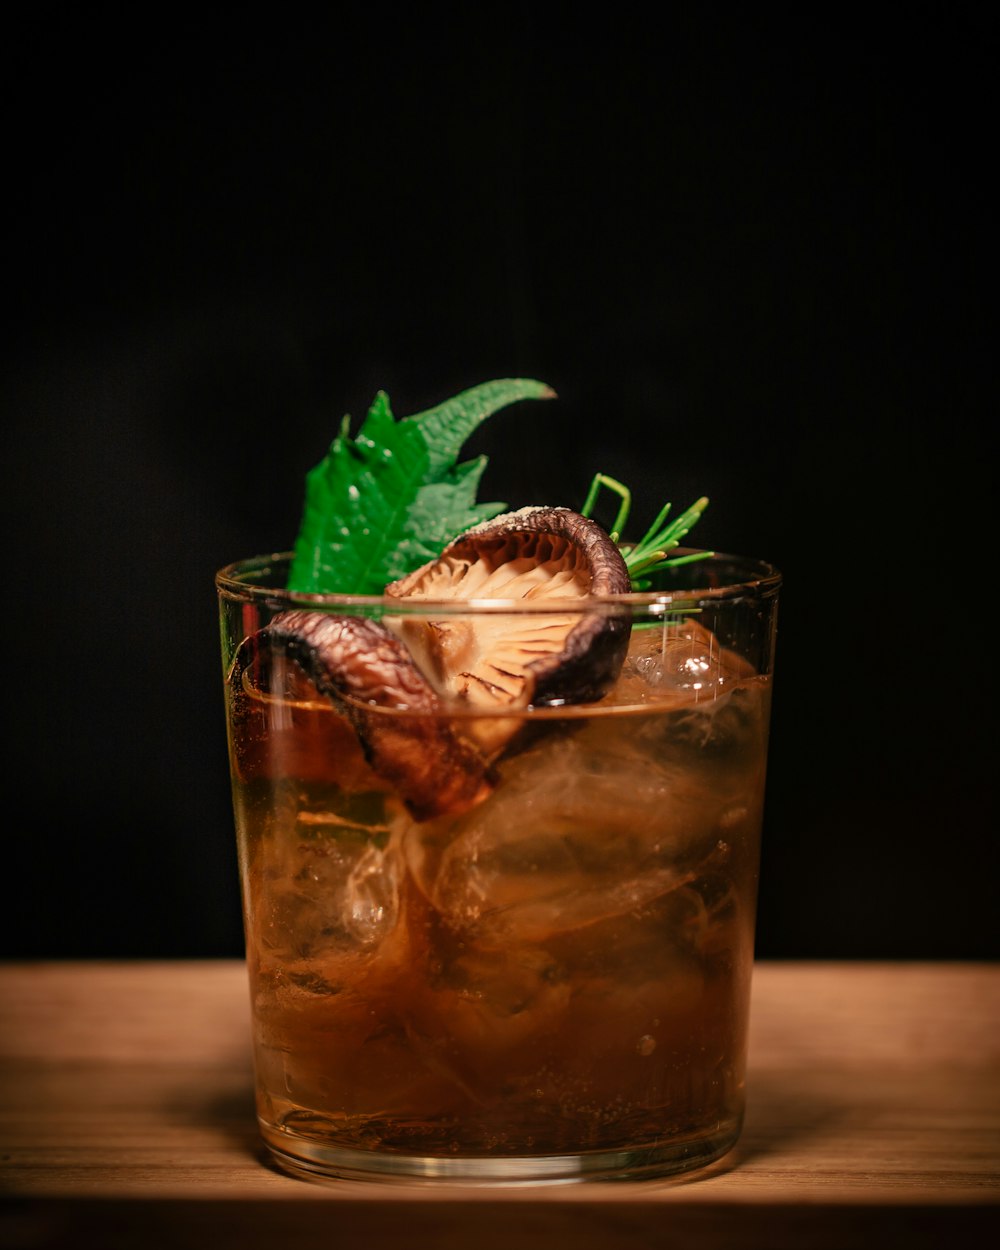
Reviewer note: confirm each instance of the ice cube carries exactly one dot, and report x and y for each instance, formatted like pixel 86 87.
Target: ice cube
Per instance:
pixel 371 894
pixel 583 826
pixel 677 662
pixel 492 1000
pixel 329 885
pixel 714 707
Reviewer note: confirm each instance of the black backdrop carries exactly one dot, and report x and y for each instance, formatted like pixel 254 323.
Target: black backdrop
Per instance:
pixel 751 259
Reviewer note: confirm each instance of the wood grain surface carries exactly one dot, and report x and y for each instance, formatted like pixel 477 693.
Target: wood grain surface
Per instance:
pixel 126 1119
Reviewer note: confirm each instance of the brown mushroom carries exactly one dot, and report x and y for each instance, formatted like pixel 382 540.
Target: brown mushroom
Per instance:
pixel 398 681
pixel 507 661
pixel 368 674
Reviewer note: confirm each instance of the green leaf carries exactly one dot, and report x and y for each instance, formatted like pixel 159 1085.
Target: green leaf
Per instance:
pixel 380 505
pixel 448 426
pixel 444 509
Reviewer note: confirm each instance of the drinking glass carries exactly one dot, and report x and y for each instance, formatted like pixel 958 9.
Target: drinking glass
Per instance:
pixel 500 946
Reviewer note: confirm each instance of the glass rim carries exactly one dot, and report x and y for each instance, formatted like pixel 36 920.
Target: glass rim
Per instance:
pixel 762 581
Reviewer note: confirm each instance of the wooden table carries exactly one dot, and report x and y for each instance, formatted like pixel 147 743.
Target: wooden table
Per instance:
pixel 126 1121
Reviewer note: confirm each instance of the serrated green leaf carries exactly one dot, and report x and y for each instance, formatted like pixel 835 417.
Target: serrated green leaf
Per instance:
pixel 444 509
pixel 380 505
pixel 447 426
pixel 356 505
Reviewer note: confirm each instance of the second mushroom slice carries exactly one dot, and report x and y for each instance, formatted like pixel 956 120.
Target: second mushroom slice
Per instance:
pixel 521 653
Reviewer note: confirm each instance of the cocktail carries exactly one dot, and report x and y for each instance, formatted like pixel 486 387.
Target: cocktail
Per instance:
pixel 499 832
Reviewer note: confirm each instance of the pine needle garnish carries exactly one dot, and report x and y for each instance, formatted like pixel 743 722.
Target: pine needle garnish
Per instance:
pixel 650 553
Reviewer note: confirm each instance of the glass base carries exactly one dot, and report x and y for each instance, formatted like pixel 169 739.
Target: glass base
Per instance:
pixel 310 1159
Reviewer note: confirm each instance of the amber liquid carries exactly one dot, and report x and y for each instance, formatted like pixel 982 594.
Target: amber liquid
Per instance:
pixel 564 970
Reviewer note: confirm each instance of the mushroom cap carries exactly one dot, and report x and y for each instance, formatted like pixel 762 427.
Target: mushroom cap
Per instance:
pixel 370 677
pixel 507 661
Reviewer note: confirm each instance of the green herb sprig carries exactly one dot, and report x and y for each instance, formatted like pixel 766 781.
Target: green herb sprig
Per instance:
pixel 649 554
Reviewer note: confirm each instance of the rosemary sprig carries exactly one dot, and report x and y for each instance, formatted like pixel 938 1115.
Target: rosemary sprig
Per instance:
pixel 649 554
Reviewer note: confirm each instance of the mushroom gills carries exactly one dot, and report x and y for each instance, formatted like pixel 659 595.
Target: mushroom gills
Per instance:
pixel 508 661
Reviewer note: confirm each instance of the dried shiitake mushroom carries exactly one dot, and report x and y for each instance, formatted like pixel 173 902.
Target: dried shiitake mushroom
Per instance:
pixel 369 675
pixel 505 661
pixel 403 681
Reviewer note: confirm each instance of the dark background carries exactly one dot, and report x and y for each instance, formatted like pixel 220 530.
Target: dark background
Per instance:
pixel 749 254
